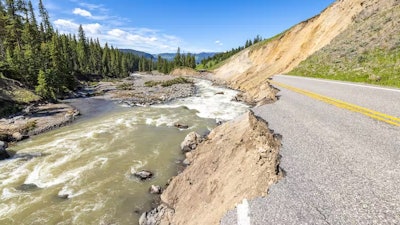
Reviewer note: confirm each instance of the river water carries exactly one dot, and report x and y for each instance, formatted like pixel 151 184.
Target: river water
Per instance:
pixel 81 174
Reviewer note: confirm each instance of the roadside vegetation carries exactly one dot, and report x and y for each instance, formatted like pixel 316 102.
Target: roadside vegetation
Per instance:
pixel 368 51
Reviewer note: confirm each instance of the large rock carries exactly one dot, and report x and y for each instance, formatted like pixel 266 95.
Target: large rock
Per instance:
pixel 190 142
pixel 3 153
pixel 17 136
pixel 155 189
pixel 157 216
pixel 143 174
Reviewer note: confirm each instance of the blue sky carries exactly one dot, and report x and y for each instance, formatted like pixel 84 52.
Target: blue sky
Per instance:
pixel 158 26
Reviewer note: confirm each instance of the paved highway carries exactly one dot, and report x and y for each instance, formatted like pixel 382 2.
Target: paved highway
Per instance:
pixel 341 155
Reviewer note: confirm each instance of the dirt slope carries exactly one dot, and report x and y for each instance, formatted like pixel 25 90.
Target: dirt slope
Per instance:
pixel 238 160
pixel 249 69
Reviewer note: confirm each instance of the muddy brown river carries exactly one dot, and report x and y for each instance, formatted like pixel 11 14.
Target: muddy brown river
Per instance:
pixel 82 173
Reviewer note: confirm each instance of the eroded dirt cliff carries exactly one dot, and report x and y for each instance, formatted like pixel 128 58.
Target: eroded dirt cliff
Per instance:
pixel 239 159
pixel 250 69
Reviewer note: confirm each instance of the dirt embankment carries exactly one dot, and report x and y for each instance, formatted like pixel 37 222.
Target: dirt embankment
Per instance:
pixel 239 159
pixel 249 70
pixel 184 71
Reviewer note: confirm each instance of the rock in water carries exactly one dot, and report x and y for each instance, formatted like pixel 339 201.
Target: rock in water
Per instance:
pixel 155 189
pixel 27 187
pixel 3 153
pixel 17 136
pixel 143 174
pixel 191 141
pixel 181 126
pixel 63 196
pixel 156 216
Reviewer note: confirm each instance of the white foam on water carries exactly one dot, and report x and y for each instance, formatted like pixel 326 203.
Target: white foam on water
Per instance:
pixel 70 192
pixel 6 209
pixel 211 103
pixel 43 177
pixel 137 164
pixel 8 193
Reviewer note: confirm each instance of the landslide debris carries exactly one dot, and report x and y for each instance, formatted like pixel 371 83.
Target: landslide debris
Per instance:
pixel 250 69
pixel 239 159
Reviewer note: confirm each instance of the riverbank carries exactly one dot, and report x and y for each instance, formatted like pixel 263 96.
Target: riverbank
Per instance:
pixel 91 101
pixel 77 166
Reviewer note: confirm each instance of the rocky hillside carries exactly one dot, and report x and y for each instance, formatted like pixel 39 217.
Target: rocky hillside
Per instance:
pixel 250 69
pixel 367 51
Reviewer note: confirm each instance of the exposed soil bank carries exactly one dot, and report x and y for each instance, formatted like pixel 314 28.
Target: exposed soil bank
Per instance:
pixel 239 159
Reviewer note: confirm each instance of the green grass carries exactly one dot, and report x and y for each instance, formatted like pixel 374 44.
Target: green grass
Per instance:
pixel 364 68
pixel 125 86
pixel 167 83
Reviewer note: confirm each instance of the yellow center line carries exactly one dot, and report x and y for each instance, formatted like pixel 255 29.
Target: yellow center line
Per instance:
pixel 341 104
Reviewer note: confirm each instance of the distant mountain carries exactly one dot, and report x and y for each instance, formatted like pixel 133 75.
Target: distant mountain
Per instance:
pixel 139 53
pixel 198 56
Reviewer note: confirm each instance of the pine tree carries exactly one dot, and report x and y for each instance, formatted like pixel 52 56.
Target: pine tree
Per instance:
pixel 82 51
pixel 178 58
pixel 45 25
pixel 43 88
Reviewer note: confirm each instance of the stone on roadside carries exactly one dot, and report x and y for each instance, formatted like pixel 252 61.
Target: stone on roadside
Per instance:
pixel 190 142
pixel 155 189
pixel 143 175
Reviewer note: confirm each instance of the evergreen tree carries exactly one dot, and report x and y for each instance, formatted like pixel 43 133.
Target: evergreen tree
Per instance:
pixel 82 51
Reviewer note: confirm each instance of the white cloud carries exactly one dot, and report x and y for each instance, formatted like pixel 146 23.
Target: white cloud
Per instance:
pixel 218 42
pixel 82 12
pixel 116 32
pixel 93 28
pixel 66 26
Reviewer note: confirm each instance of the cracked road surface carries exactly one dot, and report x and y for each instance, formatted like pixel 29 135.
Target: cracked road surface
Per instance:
pixel 342 167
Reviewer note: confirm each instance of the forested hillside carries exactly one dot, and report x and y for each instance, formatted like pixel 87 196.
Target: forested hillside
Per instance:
pixel 35 54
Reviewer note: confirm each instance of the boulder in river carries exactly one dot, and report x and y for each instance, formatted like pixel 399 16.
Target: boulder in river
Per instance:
pixel 17 136
pixel 190 142
pixel 3 153
pixel 63 196
pixel 155 189
pixel 157 215
pixel 143 174
pixel 181 126
pixel 27 187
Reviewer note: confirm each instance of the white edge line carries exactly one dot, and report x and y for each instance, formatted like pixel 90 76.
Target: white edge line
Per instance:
pixel 338 82
pixel 243 217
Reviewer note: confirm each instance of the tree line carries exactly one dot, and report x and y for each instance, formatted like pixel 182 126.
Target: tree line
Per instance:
pixel 165 66
pixel 37 55
pixel 219 57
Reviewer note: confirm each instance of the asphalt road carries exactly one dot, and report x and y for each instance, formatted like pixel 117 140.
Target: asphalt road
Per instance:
pixel 342 167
